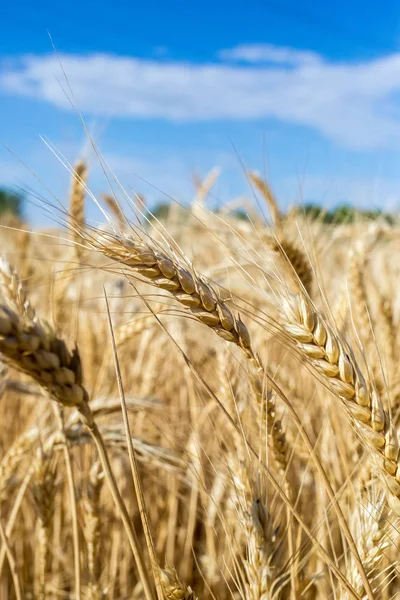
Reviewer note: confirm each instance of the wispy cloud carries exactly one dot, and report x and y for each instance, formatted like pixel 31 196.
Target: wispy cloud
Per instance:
pixel 268 53
pixel 354 104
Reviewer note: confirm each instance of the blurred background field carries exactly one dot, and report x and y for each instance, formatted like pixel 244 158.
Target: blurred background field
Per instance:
pixel 218 525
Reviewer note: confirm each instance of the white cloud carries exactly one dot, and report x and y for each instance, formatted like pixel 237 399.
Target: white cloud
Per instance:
pixel 267 53
pixel 353 104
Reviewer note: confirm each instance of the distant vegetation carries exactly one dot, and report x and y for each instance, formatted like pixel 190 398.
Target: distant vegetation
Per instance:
pixel 11 202
pixel 344 214
pixel 160 211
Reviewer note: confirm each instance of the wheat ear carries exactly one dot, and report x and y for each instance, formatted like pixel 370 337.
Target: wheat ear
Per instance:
pixel 333 359
pixel 388 326
pixel 265 190
pixel 258 565
pixel 360 305
pixel 77 203
pixel 13 291
pixel 372 534
pixel 294 257
pixel 114 207
pixel 173 587
pixel 276 434
pixel 190 289
pixel 296 262
pixel 203 187
pixel 45 357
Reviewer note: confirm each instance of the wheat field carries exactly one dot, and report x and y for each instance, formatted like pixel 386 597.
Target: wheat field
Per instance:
pixel 199 407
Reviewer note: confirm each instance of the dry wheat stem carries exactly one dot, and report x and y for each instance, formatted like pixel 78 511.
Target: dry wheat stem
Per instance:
pixel 72 495
pixel 15 511
pixel 129 528
pixel 43 492
pixel 133 461
pixel 77 435
pixel 12 563
pixel 92 525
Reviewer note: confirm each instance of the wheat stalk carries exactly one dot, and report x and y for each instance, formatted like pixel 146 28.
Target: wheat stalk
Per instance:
pixel 93 530
pixel 43 488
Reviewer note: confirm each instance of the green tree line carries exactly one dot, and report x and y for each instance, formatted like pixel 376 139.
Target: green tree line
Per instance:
pixel 343 213
pixel 11 202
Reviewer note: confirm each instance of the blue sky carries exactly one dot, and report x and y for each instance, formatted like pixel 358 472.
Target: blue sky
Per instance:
pixel 309 96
